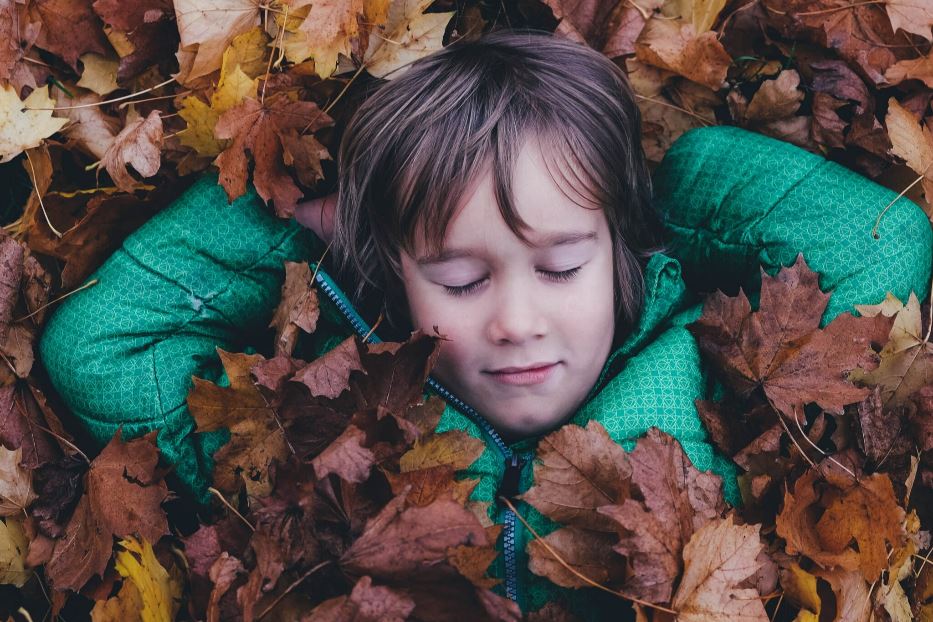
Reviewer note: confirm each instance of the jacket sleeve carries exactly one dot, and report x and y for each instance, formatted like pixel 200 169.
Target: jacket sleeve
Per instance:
pixel 199 275
pixel 732 200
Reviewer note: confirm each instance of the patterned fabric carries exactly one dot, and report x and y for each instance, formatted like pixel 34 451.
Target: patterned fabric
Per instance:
pixel 203 274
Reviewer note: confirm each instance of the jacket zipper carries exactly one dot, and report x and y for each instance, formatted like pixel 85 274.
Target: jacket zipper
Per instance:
pixel 514 462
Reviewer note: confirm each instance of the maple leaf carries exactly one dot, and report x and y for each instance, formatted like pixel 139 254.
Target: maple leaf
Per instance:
pixel 366 603
pixel 328 29
pixel 124 497
pixel 256 435
pixel 407 35
pixel 907 357
pixel 678 47
pixel 865 511
pixel 610 27
pixel 577 471
pixel 718 557
pixel 148 590
pixel 202 118
pixel 138 144
pixel 911 69
pixel 208 27
pixel 678 501
pixel 781 348
pixel 911 142
pixel 23 124
pixel 911 16
pixel 329 375
pixel 588 552
pixel 268 130
pixel 346 457
pixel 69 29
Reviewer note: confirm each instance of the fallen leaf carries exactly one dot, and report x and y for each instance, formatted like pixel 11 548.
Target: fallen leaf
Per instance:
pixel 865 512
pixel 577 471
pixel 408 34
pixel 207 28
pixel 329 375
pixel 298 308
pixel 100 74
pixel 256 435
pixel 69 29
pixel 346 457
pixel 13 545
pixel 912 142
pixel 781 348
pixel 16 491
pixel 911 16
pixel 717 559
pixel 587 552
pixel 234 86
pixel 678 47
pixel 454 448
pixel 24 124
pixel 139 144
pixel 148 591
pixel 366 603
pixel 268 129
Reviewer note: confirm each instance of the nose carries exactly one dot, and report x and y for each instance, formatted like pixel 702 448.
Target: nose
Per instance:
pixel 517 316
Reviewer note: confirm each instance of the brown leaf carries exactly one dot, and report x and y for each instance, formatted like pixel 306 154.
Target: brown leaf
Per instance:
pixel 329 375
pixel 366 603
pixel 780 347
pixel 610 27
pixel 717 559
pixel 472 562
pixel 427 485
pixel 865 512
pixel 138 144
pixel 587 551
pixel 677 47
pixel 223 573
pixel 346 457
pixel 578 470
pixel 266 130
pixel 256 436
pixel 69 29
pixel 124 497
pixel 16 491
pixel 678 501
pixel 911 16
pixel 298 308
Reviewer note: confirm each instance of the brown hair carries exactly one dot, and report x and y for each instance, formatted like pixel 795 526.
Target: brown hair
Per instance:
pixel 415 145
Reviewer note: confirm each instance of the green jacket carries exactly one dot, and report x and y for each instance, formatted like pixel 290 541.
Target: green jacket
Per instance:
pixel 203 274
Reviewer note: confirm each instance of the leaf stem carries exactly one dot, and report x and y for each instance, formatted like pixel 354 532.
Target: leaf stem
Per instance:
pixel 90 283
pixel 223 500
pixel 108 101
pixel 293 585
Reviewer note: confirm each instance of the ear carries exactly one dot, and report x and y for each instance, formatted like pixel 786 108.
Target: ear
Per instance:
pixel 318 215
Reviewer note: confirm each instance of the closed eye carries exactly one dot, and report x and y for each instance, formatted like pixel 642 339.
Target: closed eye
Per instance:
pixel 559 276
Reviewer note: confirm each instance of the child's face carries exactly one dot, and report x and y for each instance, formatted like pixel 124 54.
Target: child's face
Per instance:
pixel 504 305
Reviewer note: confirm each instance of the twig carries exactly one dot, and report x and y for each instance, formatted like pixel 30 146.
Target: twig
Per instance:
pixel 223 500
pixel 35 184
pixel 661 102
pixel 62 297
pixel 108 101
pixel 293 585
pixel 874 230
pixel 580 576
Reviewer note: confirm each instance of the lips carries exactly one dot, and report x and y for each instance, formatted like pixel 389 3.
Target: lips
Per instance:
pixel 514 370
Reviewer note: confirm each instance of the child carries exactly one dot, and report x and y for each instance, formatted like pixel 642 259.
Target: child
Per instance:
pixel 497 191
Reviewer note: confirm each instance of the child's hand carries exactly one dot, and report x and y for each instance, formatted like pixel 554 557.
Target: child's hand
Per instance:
pixel 318 215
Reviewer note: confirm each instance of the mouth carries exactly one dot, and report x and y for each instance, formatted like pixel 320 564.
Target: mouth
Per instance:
pixel 535 373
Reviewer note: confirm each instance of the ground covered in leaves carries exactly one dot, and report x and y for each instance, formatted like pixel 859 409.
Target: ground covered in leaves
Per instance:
pixel 334 498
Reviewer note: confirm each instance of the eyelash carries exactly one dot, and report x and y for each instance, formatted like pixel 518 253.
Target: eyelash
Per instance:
pixel 463 290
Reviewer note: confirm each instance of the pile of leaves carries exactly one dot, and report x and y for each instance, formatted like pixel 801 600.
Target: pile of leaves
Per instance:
pixel 329 499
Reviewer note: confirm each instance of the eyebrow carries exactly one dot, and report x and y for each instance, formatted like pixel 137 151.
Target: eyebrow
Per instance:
pixel 549 240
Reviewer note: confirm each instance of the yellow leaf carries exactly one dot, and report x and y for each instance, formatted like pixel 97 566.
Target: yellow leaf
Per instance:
pixel 407 35
pixel 13 546
pixel 800 588
pixel 100 74
pixel 202 118
pixel 705 13
pixel 327 31
pixel 250 51
pixel 148 594
pixel 909 141
pixel 22 128
pixel 455 448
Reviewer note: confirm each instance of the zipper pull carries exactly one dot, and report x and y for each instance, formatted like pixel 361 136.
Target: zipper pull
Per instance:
pixel 511 478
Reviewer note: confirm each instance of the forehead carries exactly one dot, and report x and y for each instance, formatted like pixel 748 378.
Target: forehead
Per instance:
pixel 541 191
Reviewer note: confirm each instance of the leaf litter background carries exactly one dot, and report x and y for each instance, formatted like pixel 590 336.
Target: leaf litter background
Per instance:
pixel 334 499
